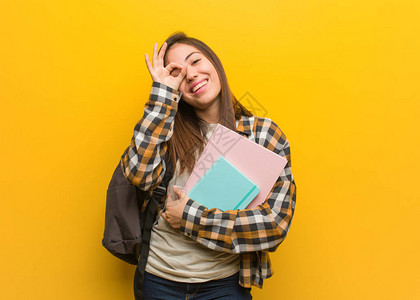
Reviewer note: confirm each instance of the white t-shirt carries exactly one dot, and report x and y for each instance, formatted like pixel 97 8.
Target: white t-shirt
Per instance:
pixel 176 257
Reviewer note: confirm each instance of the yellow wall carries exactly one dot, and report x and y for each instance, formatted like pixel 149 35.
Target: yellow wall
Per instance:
pixel 340 78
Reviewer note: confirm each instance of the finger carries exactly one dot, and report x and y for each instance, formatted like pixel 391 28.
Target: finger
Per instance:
pixel 184 71
pixel 149 65
pixel 176 191
pixel 172 67
pixel 172 203
pixel 179 192
pixel 161 54
pixel 182 74
pixel 155 55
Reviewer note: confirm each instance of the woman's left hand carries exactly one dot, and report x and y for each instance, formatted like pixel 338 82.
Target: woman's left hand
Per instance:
pixel 175 208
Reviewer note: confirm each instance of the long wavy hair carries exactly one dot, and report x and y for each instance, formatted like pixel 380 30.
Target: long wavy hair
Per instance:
pixel 189 130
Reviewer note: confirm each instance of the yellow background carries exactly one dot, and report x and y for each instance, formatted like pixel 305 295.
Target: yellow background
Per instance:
pixel 339 77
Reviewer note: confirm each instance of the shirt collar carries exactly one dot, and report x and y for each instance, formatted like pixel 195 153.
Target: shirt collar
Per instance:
pixel 242 127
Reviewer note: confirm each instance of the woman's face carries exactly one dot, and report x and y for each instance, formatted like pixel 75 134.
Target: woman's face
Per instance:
pixel 201 85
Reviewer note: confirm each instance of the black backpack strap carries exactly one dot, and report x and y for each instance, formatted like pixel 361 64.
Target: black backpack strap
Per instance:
pixel 149 218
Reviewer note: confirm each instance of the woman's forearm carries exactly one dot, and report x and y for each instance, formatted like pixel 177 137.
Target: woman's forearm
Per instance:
pixel 142 161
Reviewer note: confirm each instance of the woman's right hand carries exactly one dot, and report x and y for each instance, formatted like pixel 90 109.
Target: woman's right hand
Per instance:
pixel 162 74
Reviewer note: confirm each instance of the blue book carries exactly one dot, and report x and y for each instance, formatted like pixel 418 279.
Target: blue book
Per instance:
pixel 225 187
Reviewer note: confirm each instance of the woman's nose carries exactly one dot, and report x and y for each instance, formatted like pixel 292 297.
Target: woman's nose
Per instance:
pixel 191 74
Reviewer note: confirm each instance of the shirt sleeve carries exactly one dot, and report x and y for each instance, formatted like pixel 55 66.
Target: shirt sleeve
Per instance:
pixel 259 229
pixel 142 162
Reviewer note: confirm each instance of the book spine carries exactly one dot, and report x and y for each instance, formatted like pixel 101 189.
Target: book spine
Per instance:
pixel 245 197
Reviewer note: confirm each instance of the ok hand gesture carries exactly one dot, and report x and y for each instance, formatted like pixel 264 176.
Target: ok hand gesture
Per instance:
pixel 162 74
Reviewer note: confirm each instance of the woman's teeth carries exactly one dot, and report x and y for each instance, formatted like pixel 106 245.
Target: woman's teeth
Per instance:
pixel 199 86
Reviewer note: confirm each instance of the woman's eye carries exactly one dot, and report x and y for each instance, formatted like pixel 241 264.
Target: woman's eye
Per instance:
pixel 195 61
pixel 175 72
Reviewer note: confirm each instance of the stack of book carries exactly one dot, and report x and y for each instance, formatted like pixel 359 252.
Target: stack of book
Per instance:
pixel 233 172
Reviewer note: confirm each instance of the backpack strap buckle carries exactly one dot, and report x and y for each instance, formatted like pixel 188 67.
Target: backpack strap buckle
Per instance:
pixel 159 192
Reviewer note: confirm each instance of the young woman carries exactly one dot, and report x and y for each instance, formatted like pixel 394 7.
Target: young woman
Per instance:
pixel 198 252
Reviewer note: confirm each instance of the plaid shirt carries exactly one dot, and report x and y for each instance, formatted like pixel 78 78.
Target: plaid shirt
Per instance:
pixel 250 232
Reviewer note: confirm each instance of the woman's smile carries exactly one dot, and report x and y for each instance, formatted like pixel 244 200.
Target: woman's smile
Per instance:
pixel 199 87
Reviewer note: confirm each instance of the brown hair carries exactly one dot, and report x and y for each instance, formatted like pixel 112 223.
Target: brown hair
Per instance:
pixel 189 129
